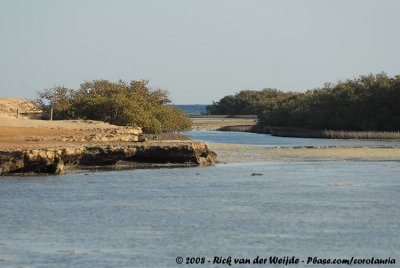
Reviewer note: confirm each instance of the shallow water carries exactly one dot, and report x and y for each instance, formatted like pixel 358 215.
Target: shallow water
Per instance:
pixel 148 217
pixel 267 140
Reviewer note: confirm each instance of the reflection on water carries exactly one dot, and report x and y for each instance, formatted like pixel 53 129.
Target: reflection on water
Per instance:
pixel 267 140
pixel 146 218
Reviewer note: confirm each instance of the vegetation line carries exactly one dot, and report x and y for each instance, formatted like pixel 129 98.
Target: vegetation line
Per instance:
pixel 365 107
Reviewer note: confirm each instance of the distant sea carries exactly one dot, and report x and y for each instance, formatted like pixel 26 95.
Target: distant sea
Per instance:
pixel 192 109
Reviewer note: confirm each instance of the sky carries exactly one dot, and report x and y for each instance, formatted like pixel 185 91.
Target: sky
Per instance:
pixel 198 50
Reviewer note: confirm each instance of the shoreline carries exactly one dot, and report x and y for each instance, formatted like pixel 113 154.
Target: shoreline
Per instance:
pixel 53 147
pixel 139 154
pixel 237 153
pixel 314 133
pixel 249 125
pixel 203 123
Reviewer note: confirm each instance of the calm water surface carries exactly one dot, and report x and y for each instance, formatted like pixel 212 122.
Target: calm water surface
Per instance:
pixel 267 140
pixel 148 217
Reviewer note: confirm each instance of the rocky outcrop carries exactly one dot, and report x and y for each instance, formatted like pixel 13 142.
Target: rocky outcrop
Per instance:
pixel 54 161
pixel 175 152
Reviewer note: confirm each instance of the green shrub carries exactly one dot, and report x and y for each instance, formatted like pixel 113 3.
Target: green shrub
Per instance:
pixel 367 103
pixel 119 103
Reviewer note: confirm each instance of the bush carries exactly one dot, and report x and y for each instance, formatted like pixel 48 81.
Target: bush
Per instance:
pixel 247 102
pixel 119 103
pixel 367 103
pixel 59 98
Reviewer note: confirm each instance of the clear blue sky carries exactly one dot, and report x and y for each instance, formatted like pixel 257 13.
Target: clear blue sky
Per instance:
pixel 199 50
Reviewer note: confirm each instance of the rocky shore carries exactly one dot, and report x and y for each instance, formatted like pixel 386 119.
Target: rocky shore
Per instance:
pixel 57 160
pixel 54 147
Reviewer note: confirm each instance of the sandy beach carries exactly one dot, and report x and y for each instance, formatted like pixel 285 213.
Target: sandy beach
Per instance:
pixel 235 153
pixel 216 123
pixel 25 133
pixel 20 133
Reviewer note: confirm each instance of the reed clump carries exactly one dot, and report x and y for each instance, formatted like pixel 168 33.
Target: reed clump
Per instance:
pixel 333 134
pixel 384 135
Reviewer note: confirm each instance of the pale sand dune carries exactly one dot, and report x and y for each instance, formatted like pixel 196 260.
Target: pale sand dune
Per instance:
pixel 8 117
pixel 9 106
